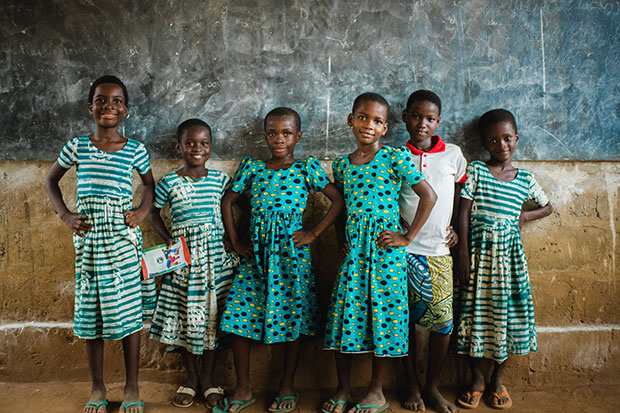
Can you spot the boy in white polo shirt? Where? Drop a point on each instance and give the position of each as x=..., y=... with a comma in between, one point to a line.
x=429, y=264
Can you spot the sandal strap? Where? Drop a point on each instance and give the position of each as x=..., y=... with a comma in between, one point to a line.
x=213, y=390
x=186, y=390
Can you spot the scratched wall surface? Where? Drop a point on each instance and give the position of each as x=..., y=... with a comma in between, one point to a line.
x=553, y=63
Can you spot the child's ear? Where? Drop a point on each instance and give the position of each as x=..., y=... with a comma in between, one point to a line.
x=178, y=146
x=405, y=115
x=350, y=120
x=90, y=108
x=516, y=137
x=385, y=128
x=298, y=137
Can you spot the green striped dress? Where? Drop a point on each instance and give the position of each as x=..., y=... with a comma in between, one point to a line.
x=496, y=313
x=111, y=300
x=191, y=299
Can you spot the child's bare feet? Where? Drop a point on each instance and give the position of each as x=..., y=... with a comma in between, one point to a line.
x=338, y=402
x=414, y=400
x=372, y=402
x=435, y=399
x=97, y=402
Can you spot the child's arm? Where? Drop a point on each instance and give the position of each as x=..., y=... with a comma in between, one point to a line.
x=453, y=237
x=158, y=225
x=135, y=215
x=228, y=199
x=388, y=239
x=304, y=237
x=535, y=214
x=463, y=262
x=76, y=222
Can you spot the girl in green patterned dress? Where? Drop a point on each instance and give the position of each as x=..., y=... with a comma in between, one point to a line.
x=496, y=313
x=191, y=299
x=111, y=300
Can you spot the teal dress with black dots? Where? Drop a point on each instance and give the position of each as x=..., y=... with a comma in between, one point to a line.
x=368, y=311
x=273, y=296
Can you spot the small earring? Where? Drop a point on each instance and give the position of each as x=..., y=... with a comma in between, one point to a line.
x=128, y=115
x=350, y=126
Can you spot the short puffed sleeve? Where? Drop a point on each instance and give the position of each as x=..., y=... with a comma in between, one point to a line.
x=469, y=187
x=242, y=181
x=141, y=159
x=337, y=166
x=315, y=176
x=68, y=154
x=226, y=181
x=536, y=192
x=162, y=192
x=403, y=167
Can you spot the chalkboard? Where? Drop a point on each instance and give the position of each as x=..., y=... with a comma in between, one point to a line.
x=555, y=64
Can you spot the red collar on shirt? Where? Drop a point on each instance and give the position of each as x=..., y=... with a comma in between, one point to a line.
x=440, y=146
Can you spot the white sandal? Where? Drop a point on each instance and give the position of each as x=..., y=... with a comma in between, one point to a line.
x=186, y=391
x=210, y=391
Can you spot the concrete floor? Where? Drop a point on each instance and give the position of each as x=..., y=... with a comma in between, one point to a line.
x=70, y=397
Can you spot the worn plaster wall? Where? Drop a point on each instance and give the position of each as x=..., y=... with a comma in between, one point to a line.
x=573, y=256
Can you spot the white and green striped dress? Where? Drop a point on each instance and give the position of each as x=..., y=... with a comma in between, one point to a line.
x=496, y=313
x=111, y=300
x=190, y=299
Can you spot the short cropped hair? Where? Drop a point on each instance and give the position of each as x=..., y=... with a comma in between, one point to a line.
x=370, y=97
x=495, y=116
x=424, y=96
x=283, y=111
x=107, y=79
x=185, y=125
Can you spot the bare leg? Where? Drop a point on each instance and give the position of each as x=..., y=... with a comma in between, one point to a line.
x=291, y=359
x=374, y=395
x=477, y=382
x=437, y=350
x=94, y=353
x=241, y=353
x=189, y=361
x=208, y=368
x=495, y=385
x=131, y=351
x=414, y=397
x=343, y=370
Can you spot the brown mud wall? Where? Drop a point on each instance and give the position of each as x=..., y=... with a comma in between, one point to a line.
x=573, y=256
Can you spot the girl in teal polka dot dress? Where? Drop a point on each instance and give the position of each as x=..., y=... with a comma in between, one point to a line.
x=273, y=297
x=368, y=311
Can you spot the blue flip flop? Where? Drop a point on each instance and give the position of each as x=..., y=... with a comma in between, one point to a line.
x=126, y=406
x=98, y=405
x=372, y=406
x=242, y=405
x=279, y=400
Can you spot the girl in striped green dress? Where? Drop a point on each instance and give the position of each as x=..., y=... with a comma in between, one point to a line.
x=190, y=299
x=111, y=300
x=496, y=314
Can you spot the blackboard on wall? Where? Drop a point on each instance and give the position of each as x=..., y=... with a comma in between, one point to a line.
x=554, y=64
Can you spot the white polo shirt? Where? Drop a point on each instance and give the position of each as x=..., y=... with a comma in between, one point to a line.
x=443, y=166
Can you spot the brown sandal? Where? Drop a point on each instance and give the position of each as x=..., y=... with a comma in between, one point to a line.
x=472, y=399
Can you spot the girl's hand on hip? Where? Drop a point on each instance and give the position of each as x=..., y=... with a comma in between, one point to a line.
x=303, y=237
x=452, y=238
x=77, y=223
x=133, y=217
x=390, y=239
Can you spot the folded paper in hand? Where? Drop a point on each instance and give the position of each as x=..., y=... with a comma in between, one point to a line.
x=160, y=259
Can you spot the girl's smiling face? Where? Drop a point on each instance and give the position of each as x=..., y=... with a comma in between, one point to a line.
x=500, y=139
x=195, y=145
x=368, y=122
x=108, y=108
x=281, y=136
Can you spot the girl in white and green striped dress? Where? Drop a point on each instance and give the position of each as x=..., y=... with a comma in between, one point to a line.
x=494, y=300
x=111, y=300
x=190, y=299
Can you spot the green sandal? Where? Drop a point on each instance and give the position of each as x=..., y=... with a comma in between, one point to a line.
x=126, y=406
x=279, y=400
x=98, y=405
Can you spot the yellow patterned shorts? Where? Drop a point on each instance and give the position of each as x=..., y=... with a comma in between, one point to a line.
x=429, y=280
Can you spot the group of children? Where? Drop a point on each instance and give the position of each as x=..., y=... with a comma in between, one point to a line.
x=393, y=213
